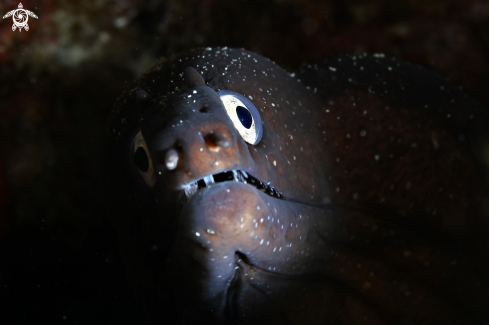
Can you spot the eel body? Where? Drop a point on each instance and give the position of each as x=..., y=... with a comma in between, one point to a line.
x=353, y=191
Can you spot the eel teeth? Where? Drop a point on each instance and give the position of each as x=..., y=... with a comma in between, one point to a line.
x=232, y=175
x=239, y=176
x=236, y=176
x=209, y=180
x=191, y=189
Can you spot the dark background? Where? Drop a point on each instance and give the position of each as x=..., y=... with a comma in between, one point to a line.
x=58, y=255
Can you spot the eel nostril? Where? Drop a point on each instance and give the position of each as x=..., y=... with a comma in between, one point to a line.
x=171, y=159
x=193, y=78
x=204, y=109
x=140, y=95
x=216, y=141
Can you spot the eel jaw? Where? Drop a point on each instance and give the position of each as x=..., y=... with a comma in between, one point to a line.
x=236, y=175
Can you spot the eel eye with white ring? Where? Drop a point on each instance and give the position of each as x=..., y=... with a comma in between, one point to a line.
x=244, y=115
x=142, y=160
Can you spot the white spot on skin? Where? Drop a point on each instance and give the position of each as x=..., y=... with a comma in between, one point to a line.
x=275, y=163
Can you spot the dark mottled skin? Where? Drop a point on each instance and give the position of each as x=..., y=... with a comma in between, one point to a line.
x=381, y=164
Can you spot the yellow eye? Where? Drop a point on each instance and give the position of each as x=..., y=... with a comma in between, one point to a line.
x=142, y=160
x=244, y=115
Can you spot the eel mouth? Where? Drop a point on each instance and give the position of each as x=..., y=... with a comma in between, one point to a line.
x=239, y=176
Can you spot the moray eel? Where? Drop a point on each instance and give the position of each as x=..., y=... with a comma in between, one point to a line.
x=353, y=191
